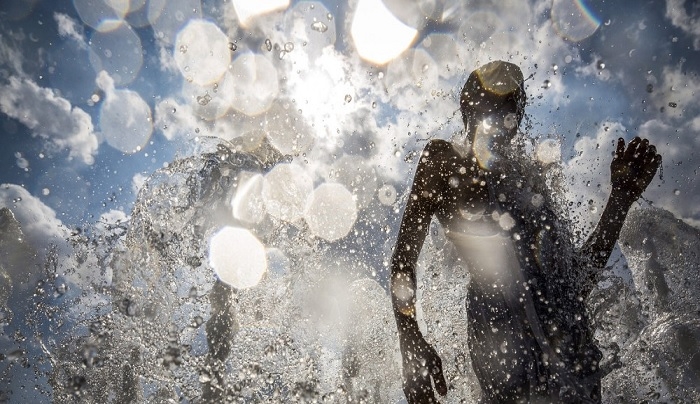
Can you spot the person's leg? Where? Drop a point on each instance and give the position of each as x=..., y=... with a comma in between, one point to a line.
x=504, y=355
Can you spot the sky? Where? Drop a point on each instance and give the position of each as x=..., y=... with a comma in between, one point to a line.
x=96, y=95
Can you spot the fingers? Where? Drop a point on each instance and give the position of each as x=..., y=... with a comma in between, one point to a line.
x=419, y=390
x=418, y=387
x=620, y=150
x=642, y=148
x=632, y=148
x=650, y=155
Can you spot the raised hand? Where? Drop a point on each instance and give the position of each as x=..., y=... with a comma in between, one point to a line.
x=421, y=367
x=632, y=169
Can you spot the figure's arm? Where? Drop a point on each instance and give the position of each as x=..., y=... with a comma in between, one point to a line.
x=631, y=171
x=420, y=360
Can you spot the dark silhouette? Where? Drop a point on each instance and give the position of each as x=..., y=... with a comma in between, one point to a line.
x=529, y=336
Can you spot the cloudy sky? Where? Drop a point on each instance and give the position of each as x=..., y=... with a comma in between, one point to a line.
x=95, y=95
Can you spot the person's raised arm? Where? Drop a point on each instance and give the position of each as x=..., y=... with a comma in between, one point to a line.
x=631, y=171
x=421, y=362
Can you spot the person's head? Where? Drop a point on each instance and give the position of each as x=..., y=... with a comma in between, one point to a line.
x=493, y=95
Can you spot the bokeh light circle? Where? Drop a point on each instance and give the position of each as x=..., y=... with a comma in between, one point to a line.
x=201, y=52
x=247, y=204
x=255, y=83
x=247, y=10
x=238, y=257
x=573, y=19
x=356, y=176
x=288, y=131
x=331, y=211
x=125, y=118
x=95, y=13
x=167, y=17
x=285, y=190
x=118, y=51
x=377, y=34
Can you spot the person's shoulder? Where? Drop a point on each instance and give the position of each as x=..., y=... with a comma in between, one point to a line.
x=438, y=147
x=438, y=144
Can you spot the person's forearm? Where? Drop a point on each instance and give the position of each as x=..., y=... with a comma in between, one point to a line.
x=596, y=251
x=403, y=292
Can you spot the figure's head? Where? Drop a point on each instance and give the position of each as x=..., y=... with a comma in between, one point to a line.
x=494, y=94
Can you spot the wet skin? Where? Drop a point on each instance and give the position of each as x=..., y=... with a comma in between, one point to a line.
x=448, y=183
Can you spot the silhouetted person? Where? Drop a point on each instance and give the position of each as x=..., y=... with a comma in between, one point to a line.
x=529, y=336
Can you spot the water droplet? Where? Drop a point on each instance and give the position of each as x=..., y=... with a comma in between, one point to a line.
x=601, y=65
x=45, y=191
x=268, y=45
x=183, y=48
x=319, y=27
x=288, y=47
x=676, y=192
x=672, y=104
x=387, y=195
x=348, y=98
x=555, y=67
x=232, y=46
x=329, y=16
x=546, y=84
x=61, y=289
x=203, y=99
x=650, y=88
x=374, y=105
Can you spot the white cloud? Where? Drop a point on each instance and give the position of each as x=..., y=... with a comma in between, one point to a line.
x=38, y=221
x=677, y=92
x=588, y=173
x=688, y=22
x=679, y=191
x=175, y=119
x=50, y=117
x=11, y=55
x=137, y=182
x=69, y=28
x=125, y=118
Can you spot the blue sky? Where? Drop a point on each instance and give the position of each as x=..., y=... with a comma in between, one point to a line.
x=46, y=45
